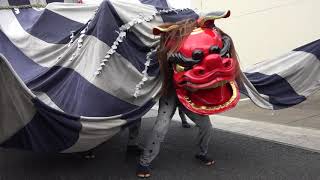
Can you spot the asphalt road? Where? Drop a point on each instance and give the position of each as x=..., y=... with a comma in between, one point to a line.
x=237, y=157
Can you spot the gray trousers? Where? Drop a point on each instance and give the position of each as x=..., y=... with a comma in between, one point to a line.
x=167, y=108
x=134, y=130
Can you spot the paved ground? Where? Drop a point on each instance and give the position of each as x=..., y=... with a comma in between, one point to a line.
x=298, y=126
x=249, y=143
x=237, y=156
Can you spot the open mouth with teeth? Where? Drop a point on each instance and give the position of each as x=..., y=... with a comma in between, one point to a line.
x=209, y=99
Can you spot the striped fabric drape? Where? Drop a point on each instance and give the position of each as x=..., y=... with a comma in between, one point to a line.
x=73, y=74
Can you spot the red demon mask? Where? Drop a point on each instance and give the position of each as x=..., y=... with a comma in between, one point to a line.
x=204, y=72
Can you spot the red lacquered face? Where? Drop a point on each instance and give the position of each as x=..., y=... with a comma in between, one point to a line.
x=204, y=73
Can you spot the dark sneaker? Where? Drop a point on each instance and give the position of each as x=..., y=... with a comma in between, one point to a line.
x=205, y=159
x=186, y=125
x=143, y=171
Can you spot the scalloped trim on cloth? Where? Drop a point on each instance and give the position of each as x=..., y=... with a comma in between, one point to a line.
x=144, y=72
x=122, y=34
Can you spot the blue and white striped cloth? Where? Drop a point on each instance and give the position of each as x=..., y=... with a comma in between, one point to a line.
x=284, y=81
x=73, y=75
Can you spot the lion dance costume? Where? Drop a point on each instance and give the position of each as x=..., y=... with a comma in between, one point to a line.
x=74, y=75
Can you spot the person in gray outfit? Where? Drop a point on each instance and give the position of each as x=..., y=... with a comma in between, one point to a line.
x=133, y=146
x=167, y=108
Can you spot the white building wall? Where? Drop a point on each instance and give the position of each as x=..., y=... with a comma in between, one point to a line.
x=264, y=29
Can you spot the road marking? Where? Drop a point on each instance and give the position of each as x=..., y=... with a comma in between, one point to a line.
x=244, y=99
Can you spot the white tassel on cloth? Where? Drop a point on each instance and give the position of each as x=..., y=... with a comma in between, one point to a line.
x=145, y=73
x=122, y=34
x=80, y=39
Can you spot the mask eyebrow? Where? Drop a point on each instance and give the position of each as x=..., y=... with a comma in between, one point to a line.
x=178, y=58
